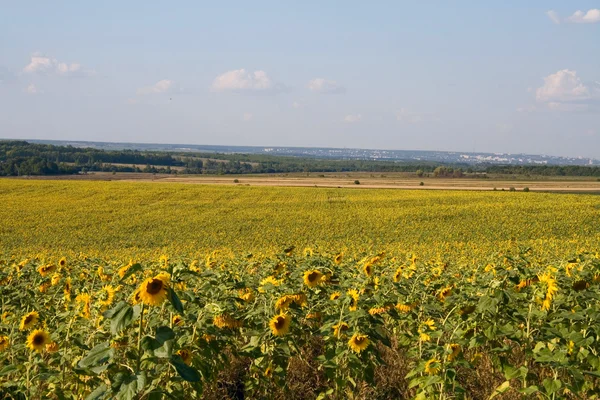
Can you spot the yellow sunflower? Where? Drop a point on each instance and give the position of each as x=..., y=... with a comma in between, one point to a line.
x=62, y=262
x=107, y=295
x=246, y=295
x=4, y=342
x=338, y=258
x=308, y=252
x=335, y=296
x=432, y=367
x=37, y=340
x=153, y=291
x=269, y=280
x=368, y=269
x=46, y=269
x=67, y=289
x=445, y=292
x=280, y=324
x=185, y=355
x=354, y=303
x=55, y=279
x=84, y=299
x=358, y=342
x=177, y=320
x=312, y=278
x=52, y=347
x=226, y=321
x=29, y=320
x=339, y=329
x=455, y=350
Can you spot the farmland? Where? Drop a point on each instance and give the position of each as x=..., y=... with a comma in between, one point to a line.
x=148, y=290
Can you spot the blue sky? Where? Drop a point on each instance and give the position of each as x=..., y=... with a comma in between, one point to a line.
x=462, y=76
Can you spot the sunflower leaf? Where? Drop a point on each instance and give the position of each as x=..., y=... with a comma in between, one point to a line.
x=120, y=316
x=185, y=371
x=174, y=299
x=131, y=270
x=97, y=356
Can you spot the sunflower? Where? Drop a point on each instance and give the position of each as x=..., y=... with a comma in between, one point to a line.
x=580, y=285
x=368, y=269
x=52, y=347
x=432, y=367
x=308, y=252
x=185, y=355
x=37, y=340
x=445, y=292
x=269, y=372
x=46, y=269
x=269, y=280
x=398, y=275
x=339, y=329
x=280, y=324
x=455, y=350
x=354, y=299
x=123, y=270
x=55, y=279
x=358, y=342
x=29, y=320
x=551, y=289
x=338, y=258
x=177, y=320
x=84, y=299
x=226, y=321
x=379, y=310
x=107, y=295
x=404, y=308
x=246, y=295
x=4, y=342
x=284, y=302
x=153, y=291
x=335, y=296
x=312, y=278
x=44, y=286
x=67, y=289
x=62, y=262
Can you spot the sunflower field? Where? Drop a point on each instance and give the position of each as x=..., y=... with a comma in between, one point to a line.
x=150, y=291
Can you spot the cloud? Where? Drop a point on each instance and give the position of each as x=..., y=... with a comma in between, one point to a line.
x=352, y=118
x=163, y=86
x=409, y=116
x=31, y=89
x=590, y=17
x=320, y=85
x=247, y=116
x=563, y=87
x=240, y=80
x=553, y=15
x=40, y=64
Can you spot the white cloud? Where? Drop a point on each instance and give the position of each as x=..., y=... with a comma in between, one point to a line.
x=553, y=15
x=562, y=87
x=590, y=17
x=31, y=89
x=240, y=80
x=247, y=116
x=320, y=85
x=296, y=105
x=409, y=116
x=162, y=86
x=40, y=64
x=352, y=118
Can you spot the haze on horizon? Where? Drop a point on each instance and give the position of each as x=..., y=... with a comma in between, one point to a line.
x=508, y=77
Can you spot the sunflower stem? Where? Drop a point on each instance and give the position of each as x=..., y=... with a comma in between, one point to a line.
x=139, y=343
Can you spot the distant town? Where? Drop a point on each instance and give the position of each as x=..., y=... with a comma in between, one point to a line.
x=448, y=157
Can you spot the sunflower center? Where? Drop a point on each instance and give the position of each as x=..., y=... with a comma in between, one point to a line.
x=313, y=276
x=38, y=340
x=280, y=322
x=359, y=340
x=155, y=286
x=28, y=319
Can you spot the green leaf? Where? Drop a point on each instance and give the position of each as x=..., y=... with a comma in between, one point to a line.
x=185, y=371
x=500, y=389
x=174, y=299
x=529, y=390
x=99, y=393
x=8, y=369
x=97, y=356
x=551, y=385
x=120, y=316
x=131, y=270
x=164, y=333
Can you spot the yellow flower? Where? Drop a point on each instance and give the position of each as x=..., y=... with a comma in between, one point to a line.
x=44, y=286
x=283, y=303
x=46, y=269
x=246, y=295
x=445, y=292
x=67, y=289
x=379, y=310
x=226, y=321
x=177, y=320
x=123, y=270
x=185, y=355
x=52, y=347
x=107, y=295
x=280, y=324
x=37, y=340
x=432, y=367
x=368, y=269
x=153, y=291
x=358, y=342
x=335, y=296
x=55, y=279
x=404, y=308
x=62, y=262
x=454, y=349
x=4, y=342
x=84, y=299
x=398, y=275
x=269, y=372
x=339, y=329
x=29, y=320
x=430, y=324
x=354, y=303
x=551, y=289
x=338, y=258
x=312, y=278
x=270, y=280
x=308, y=252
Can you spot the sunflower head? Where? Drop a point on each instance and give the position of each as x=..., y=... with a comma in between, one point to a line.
x=398, y=275
x=153, y=291
x=445, y=292
x=52, y=347
x=280, y=324
x=339, y=329
x=177, y=320
x=46, y=269
x=432, y=366
x=454, y=350
x=37, y=340
x=185, y=355
x=338, y=258
x=358, y=342
x=354, y=299
x=4, y=342
x=29, y=320
x=107, y=295
x=368, y=269
x=62, y=262
x=312, y=278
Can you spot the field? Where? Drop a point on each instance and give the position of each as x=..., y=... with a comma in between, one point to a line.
x=163, y=290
